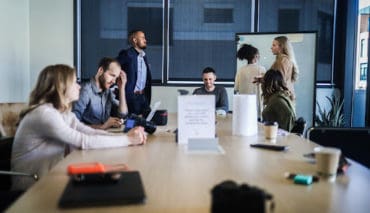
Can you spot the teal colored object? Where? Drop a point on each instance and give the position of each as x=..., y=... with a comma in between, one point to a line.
x=303, y=179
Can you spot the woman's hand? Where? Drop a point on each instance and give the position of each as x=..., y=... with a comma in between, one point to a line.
x=137, y=136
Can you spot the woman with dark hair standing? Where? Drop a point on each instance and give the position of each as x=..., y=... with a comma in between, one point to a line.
x=245, y=79
x=277, y=100
x=285, y=62
x=48, y=127
x=248, y=76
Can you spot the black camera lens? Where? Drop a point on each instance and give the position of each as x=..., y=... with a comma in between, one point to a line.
x=150, y=127
x=134, y=120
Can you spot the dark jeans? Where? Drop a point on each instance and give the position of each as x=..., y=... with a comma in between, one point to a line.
x=138, y=104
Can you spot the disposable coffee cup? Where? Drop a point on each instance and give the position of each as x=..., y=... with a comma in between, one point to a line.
x=327, y=161
x=270, y=129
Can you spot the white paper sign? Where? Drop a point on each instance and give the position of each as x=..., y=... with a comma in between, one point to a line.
x=244, y=115
x=196, y=117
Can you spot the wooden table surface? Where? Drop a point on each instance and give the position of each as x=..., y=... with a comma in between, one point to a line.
x=175, y=181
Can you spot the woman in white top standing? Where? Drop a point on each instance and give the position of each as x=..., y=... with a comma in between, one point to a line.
x=48, y=126
x=247, y=79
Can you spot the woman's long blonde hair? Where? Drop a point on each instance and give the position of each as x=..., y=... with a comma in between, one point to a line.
x=51, y=87
x=287, y=49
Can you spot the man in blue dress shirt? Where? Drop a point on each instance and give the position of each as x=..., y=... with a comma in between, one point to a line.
x=98, y=106
x=136, y=66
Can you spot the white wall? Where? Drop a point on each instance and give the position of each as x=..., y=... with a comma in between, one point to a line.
x=35, y=33
x=51, y=34
x=14, y=50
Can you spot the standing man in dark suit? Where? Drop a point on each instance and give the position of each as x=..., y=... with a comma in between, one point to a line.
x=135, y=63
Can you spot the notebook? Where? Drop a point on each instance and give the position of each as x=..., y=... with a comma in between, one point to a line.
x=127, y=190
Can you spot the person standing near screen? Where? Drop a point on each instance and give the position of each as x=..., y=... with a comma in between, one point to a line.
x=247, y=79
x=209, y=88
x=285, y=62
x=135, y=63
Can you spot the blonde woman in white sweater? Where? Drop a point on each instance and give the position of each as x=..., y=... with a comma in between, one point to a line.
x=48, y=126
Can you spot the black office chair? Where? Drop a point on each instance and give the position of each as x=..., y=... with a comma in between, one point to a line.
x=7, y=196
x=299, y=126
x=183, y=91
x=353, y=142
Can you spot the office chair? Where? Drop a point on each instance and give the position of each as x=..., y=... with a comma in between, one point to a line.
x=183, y=91
x=299, y=126
x=7, y=196
x=354, y=142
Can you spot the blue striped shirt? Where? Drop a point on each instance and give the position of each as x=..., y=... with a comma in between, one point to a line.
x=141, y=72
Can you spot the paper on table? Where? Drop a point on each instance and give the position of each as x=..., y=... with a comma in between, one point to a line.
x=204, y=146
x=244, y=115
x=196, y=117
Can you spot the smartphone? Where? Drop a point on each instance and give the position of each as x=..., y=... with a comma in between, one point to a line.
x=96, y=172
x=270, y=147
x=86, y=168
x=95, y=167
x=129, y=124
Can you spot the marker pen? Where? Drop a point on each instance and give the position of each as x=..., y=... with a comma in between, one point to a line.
x=302, y=179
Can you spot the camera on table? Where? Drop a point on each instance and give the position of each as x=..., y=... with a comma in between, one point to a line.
x=133, y=120
x=228, y=196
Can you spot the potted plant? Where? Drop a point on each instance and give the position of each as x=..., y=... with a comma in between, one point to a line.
x=334, y=116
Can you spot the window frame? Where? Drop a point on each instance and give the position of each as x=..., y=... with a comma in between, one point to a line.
x=166, y=44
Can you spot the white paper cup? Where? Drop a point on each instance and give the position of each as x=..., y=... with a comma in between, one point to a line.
x=327, y=160
x=270, y=129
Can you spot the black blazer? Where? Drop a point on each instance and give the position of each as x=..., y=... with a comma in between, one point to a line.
x=128, y=60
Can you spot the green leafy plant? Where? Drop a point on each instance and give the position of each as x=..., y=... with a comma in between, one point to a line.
x=334, y=116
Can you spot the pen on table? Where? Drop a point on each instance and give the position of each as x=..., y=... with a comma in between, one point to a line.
x=301, y=179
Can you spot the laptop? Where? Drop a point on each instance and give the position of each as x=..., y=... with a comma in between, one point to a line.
x=152, y=112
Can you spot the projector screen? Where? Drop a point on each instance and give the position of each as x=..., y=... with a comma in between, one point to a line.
x=304, y=46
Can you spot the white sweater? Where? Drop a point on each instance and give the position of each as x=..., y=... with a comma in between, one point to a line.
x=41, y=139
x=245, y=76
x=244, y=83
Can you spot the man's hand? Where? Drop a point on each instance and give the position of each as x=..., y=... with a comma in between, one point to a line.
x=137, y=136
x=112, y=122
x=121, y=83
x=122, y=80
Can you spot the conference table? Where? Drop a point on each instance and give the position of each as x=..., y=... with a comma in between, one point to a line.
x=178, y=181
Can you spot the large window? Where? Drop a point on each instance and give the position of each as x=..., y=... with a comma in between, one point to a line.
x=204, y=35
x=185, y=36
x=363, y=71
x=302, y=15
x=105, y=24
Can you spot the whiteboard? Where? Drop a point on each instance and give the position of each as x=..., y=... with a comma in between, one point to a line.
x=304, y=46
